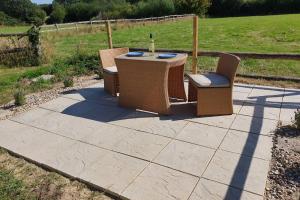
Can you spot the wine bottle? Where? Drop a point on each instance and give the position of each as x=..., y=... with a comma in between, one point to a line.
x=151, y=46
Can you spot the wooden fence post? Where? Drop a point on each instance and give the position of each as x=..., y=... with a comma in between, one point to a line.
x=109, y=37
x=195, y=44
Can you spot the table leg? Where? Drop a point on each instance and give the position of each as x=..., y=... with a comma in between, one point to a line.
x=176, y=82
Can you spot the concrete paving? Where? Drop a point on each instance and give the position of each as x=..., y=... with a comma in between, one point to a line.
x=140, y=155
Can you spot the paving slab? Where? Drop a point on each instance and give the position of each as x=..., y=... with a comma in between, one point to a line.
x=248, y=144
x=263, y=111
x=142, y=145
x=160, y=183
x=142, y=155
x=239, y=97
x=210, y=190
x=242, y=88
x=113, y=172
x=164, y=126
x=134, y=120
x=65, y=125
x=94, y=93
x=33, y=143
x=243, y=172
x=219, y=121
x=287, y=113
x=186, y=157
x=201, y=134
x=74, y=159
x=256, y=125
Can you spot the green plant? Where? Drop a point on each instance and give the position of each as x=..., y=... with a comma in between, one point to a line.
x=68, y=82
x=297, y=119
x=20, y=97
x=58, y=14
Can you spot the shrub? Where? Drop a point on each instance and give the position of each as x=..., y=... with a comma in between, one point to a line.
x=68, y=82
x=154, y=8
x=19, y=97
x=57, y=15
x=297, y=119
x=7, y=20
x=198, y=7
x=81, y=11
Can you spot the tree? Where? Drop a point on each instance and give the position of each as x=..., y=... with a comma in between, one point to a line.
x=58, y=14
x=23, y=10
x=198, y=7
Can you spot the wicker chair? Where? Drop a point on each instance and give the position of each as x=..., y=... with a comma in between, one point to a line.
x=213, y=91
x=110, y=72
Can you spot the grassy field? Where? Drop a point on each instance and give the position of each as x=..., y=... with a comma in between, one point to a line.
x=261, y=34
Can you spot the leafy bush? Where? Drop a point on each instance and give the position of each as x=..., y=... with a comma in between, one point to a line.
x=253, y=7
x=297, y=119
x=7, y=20
x=19, y=97
x=57, y=15
x=23, y=10
x=198, y=7
x=68, y=82
x=154, y=8
x=81, y=11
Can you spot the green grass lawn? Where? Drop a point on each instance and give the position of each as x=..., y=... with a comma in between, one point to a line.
x=261, y=34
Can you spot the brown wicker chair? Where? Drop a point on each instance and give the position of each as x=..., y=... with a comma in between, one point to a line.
x=110, y=72
x=213, y=91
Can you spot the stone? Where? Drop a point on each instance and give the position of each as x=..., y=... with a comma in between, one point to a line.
x=45, y=77
x=164, y=126
x=263, y=111
x=113, y=172
x=185, y=157
x=204, y=135
x=243, y=172
x=248, y=144
x=160, y=183
x=254, y=125
x=207, y=189
x=141, y=145
x=223, y=121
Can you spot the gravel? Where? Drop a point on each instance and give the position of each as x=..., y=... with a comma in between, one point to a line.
x=35, y=99
x=284, y=175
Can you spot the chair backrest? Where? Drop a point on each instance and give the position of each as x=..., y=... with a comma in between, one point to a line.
x=107, y=56
x=227, y=66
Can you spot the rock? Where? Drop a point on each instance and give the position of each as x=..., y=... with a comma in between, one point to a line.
x=45, y=77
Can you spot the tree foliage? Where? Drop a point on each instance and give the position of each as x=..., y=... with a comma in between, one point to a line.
x=23, y=10
x=198, y=7
x=58, y=14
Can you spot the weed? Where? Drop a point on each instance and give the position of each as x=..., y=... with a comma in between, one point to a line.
x=68, y=82
x=20, y=97
x=297, y=119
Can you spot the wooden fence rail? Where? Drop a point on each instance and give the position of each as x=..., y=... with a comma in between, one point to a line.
x=74, y=25
x=13, y=34
x=282, y=56
x=242, y=55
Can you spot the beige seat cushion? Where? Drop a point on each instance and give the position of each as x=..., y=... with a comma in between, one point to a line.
x=111, y=70
x=209, y=80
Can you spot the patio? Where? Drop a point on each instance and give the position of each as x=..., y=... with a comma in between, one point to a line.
x=139, y=155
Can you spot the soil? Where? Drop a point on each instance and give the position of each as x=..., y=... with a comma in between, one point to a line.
x=284, y=175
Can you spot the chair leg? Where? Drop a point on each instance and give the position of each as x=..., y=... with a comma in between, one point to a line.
x=111, y=83
x=214, y=101
x=192, y=92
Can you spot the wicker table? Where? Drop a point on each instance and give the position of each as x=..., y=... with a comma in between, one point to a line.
x=147, y=82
